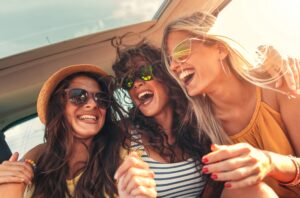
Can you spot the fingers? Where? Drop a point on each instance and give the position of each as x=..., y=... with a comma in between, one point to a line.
x=135, y=177
x=228, y=165
x=291, y=75
x=137, y=182
x=12, y=170
x=14, y=157
x=11, y=179
x=224, y=152
x=143, y=191
x=131, y=161
x=249, y=181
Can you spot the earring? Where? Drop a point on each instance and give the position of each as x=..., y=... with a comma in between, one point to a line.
x=226, y=69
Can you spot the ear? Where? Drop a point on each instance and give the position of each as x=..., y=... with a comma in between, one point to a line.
x=223, y=52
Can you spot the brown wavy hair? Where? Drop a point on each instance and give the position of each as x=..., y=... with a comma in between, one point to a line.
x=184, y=126
x=97, y=174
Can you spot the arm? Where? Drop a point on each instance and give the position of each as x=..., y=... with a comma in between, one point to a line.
x=134, y=178
x=242, y=165
x=15, y=175
x=290, y=66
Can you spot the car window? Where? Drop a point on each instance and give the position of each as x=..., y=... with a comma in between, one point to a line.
x=256, y=22
x=24, y=136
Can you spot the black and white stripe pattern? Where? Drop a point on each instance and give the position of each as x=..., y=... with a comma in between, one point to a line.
x=180, y=179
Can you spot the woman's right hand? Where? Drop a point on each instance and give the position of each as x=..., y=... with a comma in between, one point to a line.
x=135, y=179
x=14, y=171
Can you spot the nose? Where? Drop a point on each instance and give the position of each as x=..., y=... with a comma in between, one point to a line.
x=138, y=83
x=175, y=67
x=90, y=103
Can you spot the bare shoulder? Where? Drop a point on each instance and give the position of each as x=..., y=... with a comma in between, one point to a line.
x=270, y=97
x=35, y=152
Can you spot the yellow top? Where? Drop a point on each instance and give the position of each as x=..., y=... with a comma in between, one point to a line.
x=266, y=131
x=71, y=183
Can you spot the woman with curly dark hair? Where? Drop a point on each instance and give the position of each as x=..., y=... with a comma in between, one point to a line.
x=161, y=128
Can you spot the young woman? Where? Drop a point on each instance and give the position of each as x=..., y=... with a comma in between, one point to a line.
x=83, y=142
x=230, y=108
x=162, y=130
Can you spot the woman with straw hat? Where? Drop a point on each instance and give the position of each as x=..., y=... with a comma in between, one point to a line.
x=83, y=143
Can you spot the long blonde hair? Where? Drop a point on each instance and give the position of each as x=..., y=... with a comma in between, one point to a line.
x=254, y=68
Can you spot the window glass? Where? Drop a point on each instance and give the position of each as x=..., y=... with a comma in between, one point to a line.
x=30, y=24
x=256, y=22
x=24, y=136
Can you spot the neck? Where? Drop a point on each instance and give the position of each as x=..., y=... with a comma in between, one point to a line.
x=233, y=92
x=165, y=119
x=79, y=156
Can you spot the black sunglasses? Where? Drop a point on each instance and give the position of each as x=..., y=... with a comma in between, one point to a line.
x=80, y=97
x=144, y=72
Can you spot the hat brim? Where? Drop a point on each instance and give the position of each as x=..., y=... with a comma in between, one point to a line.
x=55, y=79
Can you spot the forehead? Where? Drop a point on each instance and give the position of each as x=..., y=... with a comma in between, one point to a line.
x=86, y=83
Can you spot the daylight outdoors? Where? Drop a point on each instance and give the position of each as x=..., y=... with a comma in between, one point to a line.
x=32, y=24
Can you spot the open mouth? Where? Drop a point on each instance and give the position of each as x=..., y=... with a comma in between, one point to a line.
x=145, y=97
x=186, y=76
x=88, y=118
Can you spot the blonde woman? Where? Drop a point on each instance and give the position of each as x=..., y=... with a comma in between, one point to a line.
x=232, y=97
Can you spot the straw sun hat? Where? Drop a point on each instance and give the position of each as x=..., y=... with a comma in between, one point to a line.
x=55, y=79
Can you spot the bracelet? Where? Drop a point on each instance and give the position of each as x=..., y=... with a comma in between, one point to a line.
x=31, y=162
x=296, y=180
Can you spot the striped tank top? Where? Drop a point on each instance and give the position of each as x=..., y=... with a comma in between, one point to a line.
x=180, y=179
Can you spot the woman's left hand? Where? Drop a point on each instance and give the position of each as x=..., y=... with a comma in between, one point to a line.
x=135, y=179
x=240, y=165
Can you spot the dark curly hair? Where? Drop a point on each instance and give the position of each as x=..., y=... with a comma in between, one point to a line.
x=184, y=127
x=103, y=160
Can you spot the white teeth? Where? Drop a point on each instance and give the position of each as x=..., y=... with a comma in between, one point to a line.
x=87, y=117
x=144, y=93
x=185, y=73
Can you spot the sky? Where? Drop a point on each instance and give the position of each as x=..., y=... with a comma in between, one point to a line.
x=256, y=22
x=28, y=24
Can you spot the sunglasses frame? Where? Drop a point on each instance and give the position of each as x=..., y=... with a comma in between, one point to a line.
x=104, y=102
x=190, y=39
x=137, y=74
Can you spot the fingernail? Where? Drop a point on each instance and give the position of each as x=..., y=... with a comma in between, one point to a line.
x=227, y=185
x=213, y=147
x=204, y=170
x=214, y=176
x=204, y=160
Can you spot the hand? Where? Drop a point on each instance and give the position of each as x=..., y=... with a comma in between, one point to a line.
x=290, y=66
x=135, y=179
x=13, y=171
x=240, y=165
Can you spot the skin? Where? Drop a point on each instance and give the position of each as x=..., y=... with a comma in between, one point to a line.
x=233, y=103
x=83, y=130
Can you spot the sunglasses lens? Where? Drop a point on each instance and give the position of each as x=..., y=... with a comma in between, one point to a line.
x=102, y=100
x=78, y=96
x=146, y=73
x=182, y=51
x=128, y=83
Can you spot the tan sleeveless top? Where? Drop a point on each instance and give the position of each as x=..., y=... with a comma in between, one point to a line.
x=266, y=131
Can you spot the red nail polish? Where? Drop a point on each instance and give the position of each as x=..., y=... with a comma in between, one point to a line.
x=227, y=185
x=204, y=160
x=212, y=147
x=205, y=170
x=214, y=176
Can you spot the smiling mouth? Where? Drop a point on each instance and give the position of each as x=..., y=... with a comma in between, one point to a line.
x=88, y=118
x=145, y=97
x=186, y=76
